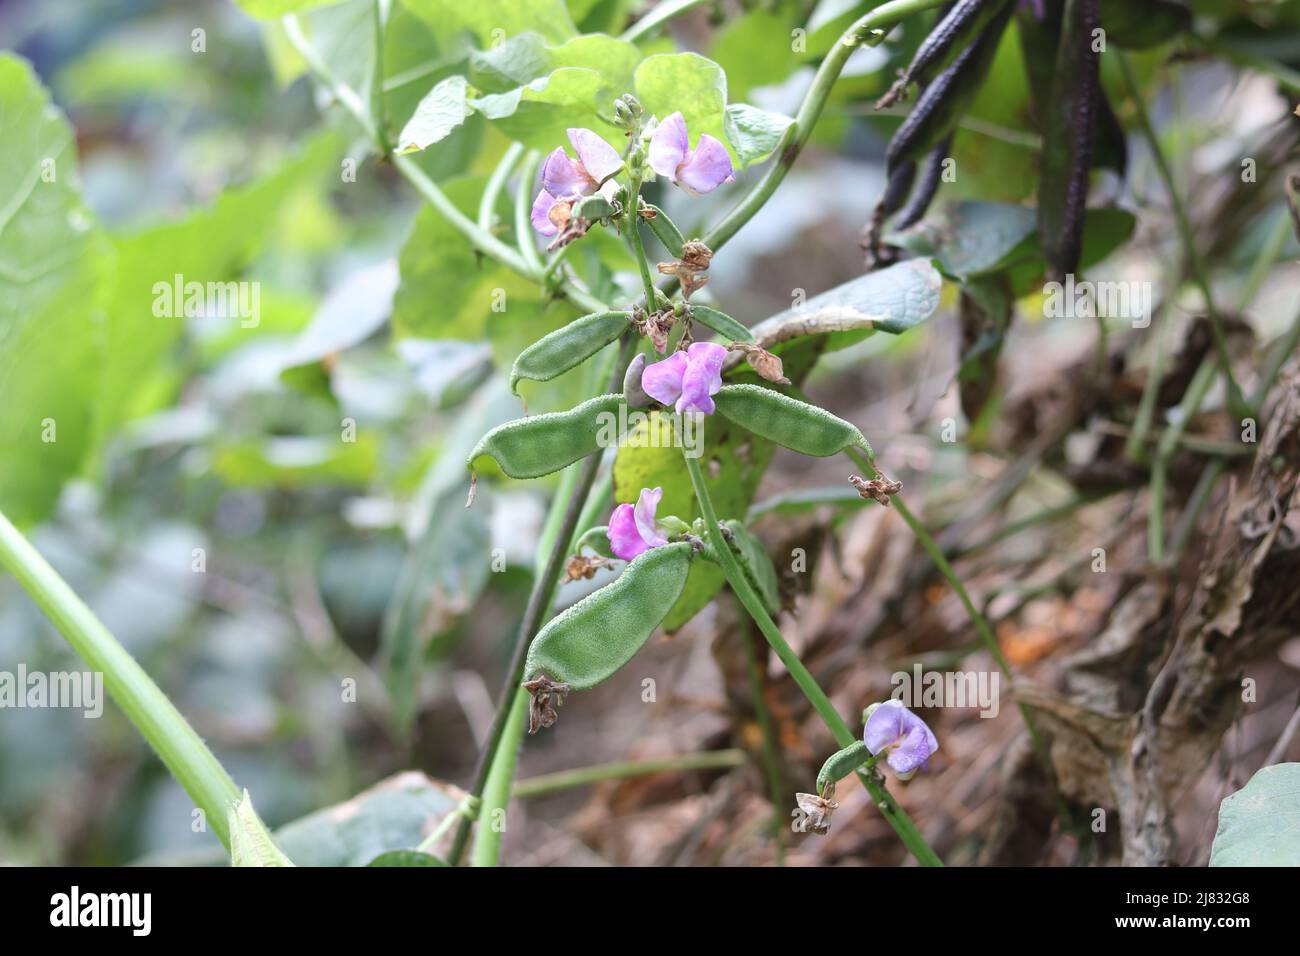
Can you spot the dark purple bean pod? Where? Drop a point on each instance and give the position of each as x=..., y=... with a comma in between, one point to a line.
x=1070, y=128
x=931, y=176
x=957, y=26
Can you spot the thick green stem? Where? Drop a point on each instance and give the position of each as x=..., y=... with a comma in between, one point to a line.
x=159, y=722
x=492, y=814
x=844, y=736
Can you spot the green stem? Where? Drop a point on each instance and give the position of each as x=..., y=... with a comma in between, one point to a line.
x=523, y=223
x=159, y=722
x=549, y=783
x=844, y=736
x=492, y=814
x=661, y=14
x=1199, y=273
x=497, y=182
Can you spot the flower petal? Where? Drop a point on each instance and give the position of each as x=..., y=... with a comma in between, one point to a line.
x=598, y=158
x=624, y=538
x=662, y=381
x=894, y=728
x=706, y=168
x=668, y=146
x=703, y=377
x=563, y=178
x=644, y=513
x=541, y=214
x=884, y=726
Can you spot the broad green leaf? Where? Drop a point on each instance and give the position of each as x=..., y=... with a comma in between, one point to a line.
x=889, y=300
x=687, y=83
x=540, y=113
x=52, y=267
x=274, y=9
x=251, y=844
x=444, y=109
x=753, y=133
x=394, y=814
x=527, y=57
x=1259, y=825
x=491, y=20
x=975, y=237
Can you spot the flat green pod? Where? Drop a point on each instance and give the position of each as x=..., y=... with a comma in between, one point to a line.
x=543, y=444
x=567, y=347
x=787, y=421
x=591, y=640
x=721, y=323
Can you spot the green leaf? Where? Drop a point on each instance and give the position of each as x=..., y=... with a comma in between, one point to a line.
x=527, y=57
x=484, y=18
x=52, y=267
x=687, y=83
x=889, y=300
x=251, y=843
x=1139, y=24
x=394, y=814
x=443, y=110
x=976, y=237
x=1259, y=825
x=540, y=114
x=754, y=134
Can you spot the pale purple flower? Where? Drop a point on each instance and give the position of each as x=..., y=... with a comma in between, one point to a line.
x=699, y=170
x=633, y=531
x=689, y=379
x=902, y=735
x=565, y=179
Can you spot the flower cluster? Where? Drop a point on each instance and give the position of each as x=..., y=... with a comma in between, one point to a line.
x=566, y=180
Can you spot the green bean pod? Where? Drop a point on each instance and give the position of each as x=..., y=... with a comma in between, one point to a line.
x=664, y=229
x=787, y=421
x=597, y=539
x=946, y=97
x=952, y=33
x=591, y=640
x=1070, y=127
x=561, y=350
x=542, y=444
x=932, y=175
x=840, y=764
x=721, y=323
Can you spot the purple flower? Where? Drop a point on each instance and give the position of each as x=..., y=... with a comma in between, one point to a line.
x=565, y=179
x=633, y=531
x=895, y=730
x=689, y=378
x=699, y=170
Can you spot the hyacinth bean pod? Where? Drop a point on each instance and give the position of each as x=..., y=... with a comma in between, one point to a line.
x=543, y=444
x=953, y=33
x=721, y=323
x=561, y=350
x=591, y=640
x=793, y=424
x=840, y=764
x=1070, y=126
x=665, y=229
x=931, y=177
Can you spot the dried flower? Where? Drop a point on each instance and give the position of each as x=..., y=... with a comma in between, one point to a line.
x=762, y=361
x=878, y=489
x=695, y=260
x=584, y=567
x=547, y=695
x=814, y=812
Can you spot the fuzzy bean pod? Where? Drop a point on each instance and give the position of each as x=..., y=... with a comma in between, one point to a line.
x=952, y=34
x=542, y=444
x=840, y=764
x=931, y=177
x=664, y=229
x=591, y=640
x=1070, y=127
x=561, y=350
x=721, y=323
x=787, y=421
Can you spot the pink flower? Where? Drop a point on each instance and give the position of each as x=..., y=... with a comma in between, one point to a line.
x=898, y=732
x=690, y=379
x=565, y=179
x=633, y=531
x=699, y=170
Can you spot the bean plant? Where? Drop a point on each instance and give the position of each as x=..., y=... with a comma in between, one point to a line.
x=677, y=404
